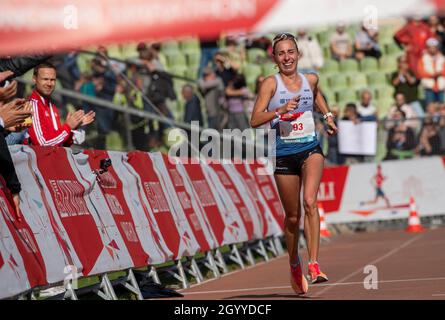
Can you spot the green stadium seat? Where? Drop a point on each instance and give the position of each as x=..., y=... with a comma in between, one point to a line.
x=323, y=83
x=163, y=59
x=349, y=65
x=193, y=59
x=192, y=73
x=383, y=106
x=346, y=95
x=330, y=66
x=269, y=69
x=175, y=59
x=323, y=38
x=386, y=34
x=169, y=46
x=377, y=79
x=357, y=81
x=255, y=53
x=338, y=81
x=190, y=45
x=385, y=92
x=369, y=64
x=179, y=70
x=129, y=51
x=84, y=62
x=326, y=52
x=388, y=63
x=330, y=96
x=393, y=49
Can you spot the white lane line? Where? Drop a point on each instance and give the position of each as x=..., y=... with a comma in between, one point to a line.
x=390, y=253
x=235, y=272
x=318, y=285
x=438, y=295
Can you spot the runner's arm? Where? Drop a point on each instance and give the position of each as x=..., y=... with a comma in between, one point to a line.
x=259, y=114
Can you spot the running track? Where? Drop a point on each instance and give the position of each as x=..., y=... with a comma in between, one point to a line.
x=409, y=265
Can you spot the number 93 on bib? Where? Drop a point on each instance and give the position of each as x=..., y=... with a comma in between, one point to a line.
x=300, y=130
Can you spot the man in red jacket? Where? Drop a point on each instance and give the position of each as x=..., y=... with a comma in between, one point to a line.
x=46, y=129
x=413, y=36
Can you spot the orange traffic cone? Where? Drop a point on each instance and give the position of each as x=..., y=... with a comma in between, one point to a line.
x=413, y=221
x=324, y=232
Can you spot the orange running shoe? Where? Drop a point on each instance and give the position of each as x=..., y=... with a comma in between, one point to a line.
x=297, y=280
x=315, y=275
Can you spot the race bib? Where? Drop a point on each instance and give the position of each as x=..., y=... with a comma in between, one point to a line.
x=299, y=130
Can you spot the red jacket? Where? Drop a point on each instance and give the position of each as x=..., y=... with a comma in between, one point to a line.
x=414, y=36
x=46, y=129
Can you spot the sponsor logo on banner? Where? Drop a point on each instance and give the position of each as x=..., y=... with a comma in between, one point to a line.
x=204, y=193
x=114, y=204
x=68, y=197
x=176, y=178
x=156, y=197
x=331, y=188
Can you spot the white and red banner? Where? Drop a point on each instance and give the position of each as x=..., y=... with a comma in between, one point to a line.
x=172, y=222
x=367, y=192
x=29, y=25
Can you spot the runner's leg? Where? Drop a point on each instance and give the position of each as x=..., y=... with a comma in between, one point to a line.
x=289, y=191
x=312, y=173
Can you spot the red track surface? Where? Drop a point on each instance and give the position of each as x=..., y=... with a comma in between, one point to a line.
x=409, y=265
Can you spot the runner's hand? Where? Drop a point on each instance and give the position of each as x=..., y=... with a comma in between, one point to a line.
x=289, y=106
x=332, y=128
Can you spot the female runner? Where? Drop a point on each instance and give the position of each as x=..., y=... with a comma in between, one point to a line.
x=287, y=101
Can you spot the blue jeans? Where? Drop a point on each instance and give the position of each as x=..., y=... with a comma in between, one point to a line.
x=431, y=96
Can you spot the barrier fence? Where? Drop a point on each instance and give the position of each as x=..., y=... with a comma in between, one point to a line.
x=147, y=209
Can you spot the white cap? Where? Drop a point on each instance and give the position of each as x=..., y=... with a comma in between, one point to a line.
x=432, y=42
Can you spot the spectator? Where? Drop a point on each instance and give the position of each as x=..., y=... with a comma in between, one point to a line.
x=104, y=81
x=412, y=36
x=258, y=41
x=366, y=43
x=429, y=140
x=341, y=43
x=442, y=128
x=405, y=82
x=366, y=110
x=12, y=114
x=334, y=156
x=235, y=53
x=431, y=71
x=192, y=109
x=437, y=30
x=212, y=89
x=209, y=47
x=46, y=129
x=158, y=87
x=401, y=138
x=237, y=92
x=311, y=55
x=223, y=68
x=409, y=114
x=351, y=114
x=432, y=111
